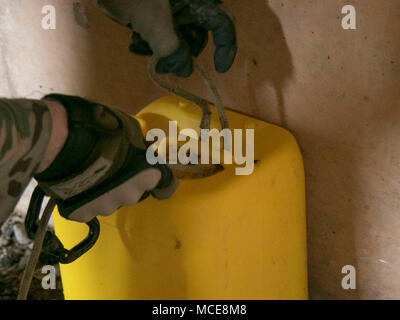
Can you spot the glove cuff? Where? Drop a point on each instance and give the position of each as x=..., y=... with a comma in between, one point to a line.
x=83, y=134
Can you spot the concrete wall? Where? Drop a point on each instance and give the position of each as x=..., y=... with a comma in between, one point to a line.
x=336, y=90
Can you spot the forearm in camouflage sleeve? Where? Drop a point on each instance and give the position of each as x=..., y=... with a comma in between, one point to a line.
x=25, y=129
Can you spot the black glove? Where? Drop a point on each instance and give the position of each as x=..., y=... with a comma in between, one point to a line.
x=193, y=20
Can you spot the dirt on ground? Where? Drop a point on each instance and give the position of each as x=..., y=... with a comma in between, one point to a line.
x=15, y=249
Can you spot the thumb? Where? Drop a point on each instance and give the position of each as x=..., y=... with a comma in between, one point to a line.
x=152, y=19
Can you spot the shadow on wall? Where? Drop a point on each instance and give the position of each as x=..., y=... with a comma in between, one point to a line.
x=117, y=77
x=332, y=211
x=120, y=78
x=264, y=57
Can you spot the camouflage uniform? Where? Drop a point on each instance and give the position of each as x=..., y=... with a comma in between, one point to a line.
x=25, y=128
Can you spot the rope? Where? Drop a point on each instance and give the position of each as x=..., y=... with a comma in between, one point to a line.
x=218, y=101
x=202, y=103
x=36, y=250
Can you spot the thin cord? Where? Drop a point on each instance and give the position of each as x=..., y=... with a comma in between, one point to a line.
x=202, y=103
x=36, y=250
x=218, y=101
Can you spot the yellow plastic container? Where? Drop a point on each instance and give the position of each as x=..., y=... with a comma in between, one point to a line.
x=221, y=237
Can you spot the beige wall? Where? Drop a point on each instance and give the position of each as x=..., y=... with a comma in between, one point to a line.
x=336, y=90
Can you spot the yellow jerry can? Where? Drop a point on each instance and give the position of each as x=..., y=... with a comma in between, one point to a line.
x=226, y=236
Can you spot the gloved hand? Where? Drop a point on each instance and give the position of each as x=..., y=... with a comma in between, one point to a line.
x=102, y=165
x=178, y=35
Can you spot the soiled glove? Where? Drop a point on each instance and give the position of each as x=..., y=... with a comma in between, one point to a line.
x=103, y=164
x=177, y=35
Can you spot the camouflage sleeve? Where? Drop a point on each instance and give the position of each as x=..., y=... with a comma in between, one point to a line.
x=25, y=128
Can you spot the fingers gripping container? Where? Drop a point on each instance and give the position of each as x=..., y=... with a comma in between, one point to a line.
x=225, y=236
